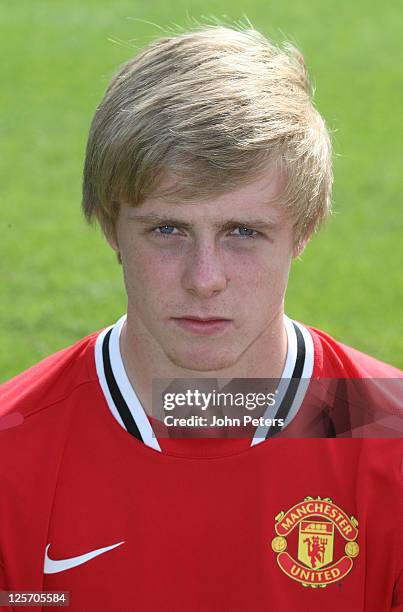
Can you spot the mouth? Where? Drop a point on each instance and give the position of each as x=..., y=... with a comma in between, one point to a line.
x=202, y=319
x=202, y=325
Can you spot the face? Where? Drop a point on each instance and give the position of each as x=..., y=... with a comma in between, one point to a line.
x=206, y=280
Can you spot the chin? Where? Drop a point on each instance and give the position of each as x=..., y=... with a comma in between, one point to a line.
x=199, y=362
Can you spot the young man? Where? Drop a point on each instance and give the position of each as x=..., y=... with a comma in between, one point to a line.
x=208, y=169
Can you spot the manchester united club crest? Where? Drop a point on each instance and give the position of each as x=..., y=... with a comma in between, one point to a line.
x=322, y=538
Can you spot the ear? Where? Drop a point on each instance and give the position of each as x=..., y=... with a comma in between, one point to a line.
x=299, y=248
x=109, y=226
x=111, y=235
x=112, y=241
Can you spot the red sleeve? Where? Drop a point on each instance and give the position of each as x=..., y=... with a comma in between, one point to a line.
x=3, y=585
x=397, y=603
x=334, y=359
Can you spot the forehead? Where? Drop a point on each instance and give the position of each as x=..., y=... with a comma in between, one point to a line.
x=261, y=196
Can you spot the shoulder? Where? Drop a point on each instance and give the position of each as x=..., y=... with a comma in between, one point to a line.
x=36, y=412
x=334, y=359
x=49, y=381
x=363, y=396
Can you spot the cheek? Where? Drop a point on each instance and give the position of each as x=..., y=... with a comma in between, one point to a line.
x=261, y=274
x=149, y=276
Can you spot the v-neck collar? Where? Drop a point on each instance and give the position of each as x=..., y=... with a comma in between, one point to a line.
x=127, y=409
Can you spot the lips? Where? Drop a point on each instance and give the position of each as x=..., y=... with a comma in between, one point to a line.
x=193, y=318
x=202, y=325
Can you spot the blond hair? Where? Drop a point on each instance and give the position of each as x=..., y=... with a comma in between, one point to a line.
x=211, y=107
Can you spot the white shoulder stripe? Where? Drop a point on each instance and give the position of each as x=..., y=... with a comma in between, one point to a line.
x=99, y=362
x=271, y=412
x=126, y=389
x=306, y=374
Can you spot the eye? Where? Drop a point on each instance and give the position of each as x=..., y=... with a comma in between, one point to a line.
x=246, y=232
x=164, y=230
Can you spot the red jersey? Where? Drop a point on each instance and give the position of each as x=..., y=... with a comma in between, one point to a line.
x=96, y=503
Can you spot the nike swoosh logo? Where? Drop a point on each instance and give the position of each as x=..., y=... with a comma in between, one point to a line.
x=52, y=566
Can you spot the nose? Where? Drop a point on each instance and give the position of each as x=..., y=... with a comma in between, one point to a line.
x=204, y=275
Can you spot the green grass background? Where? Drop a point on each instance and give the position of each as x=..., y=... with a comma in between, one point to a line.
x=59, y=279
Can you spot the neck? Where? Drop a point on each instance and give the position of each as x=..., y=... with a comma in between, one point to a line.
x=144, y=359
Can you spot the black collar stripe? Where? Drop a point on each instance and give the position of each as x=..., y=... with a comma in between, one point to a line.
x=293, y=386
x=115, y=392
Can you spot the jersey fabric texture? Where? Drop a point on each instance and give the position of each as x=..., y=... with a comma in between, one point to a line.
x=94, y=502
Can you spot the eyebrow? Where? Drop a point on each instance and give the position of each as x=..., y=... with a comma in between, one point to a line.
x=161, y=220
